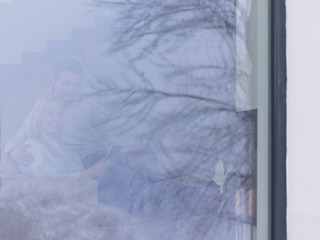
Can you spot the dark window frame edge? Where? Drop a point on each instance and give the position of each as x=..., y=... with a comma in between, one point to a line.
x=278, y=120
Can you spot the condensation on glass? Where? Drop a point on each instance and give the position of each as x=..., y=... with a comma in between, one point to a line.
x=142, y=124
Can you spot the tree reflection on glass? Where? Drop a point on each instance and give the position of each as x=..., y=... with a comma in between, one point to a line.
x=178, y=101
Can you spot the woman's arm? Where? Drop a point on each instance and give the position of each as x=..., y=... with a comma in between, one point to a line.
x=97, y=170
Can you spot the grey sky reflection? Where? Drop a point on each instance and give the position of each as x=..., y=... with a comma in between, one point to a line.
x=187, y=164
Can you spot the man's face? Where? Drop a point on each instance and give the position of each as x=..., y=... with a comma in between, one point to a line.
x=66, y=85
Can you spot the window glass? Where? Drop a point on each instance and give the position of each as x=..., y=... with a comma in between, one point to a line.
x=134, y=119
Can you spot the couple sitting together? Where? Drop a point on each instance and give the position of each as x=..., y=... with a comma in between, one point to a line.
x=39, y=132
x=58, y=138
x=49, y=142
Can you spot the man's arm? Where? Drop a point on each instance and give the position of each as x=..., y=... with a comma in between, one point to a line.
x=15, y=149
x=7, y=166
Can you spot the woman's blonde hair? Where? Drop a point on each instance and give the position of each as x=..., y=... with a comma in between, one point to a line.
x=31, y=124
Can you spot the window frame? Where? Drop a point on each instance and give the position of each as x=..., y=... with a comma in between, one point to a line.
x=278, y=121
x=272, y=80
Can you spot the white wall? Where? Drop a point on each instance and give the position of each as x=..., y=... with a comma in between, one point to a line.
x=303, y=126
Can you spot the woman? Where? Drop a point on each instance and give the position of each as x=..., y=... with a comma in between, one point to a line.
x=39, y=129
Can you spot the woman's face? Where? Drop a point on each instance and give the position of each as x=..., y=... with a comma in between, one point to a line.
x=51, y=118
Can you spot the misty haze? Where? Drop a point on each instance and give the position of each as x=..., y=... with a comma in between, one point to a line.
x=128, y=120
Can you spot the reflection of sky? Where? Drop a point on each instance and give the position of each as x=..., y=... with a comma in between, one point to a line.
x=27, y=25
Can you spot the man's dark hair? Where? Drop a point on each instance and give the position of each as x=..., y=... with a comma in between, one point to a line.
x=69, y=65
